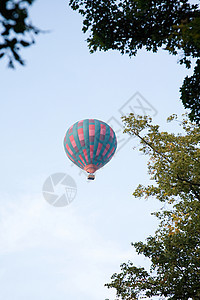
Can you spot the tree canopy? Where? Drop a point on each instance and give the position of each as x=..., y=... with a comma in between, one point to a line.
x=16, y=29
x=129, y=25
x=174, y=250
x=190, y=93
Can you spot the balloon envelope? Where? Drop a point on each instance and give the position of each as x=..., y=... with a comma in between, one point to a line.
x=90, y=144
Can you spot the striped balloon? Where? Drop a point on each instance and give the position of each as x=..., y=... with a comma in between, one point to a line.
x=90, y=144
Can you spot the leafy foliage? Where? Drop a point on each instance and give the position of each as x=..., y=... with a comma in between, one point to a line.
x=129, y=25
x=174, y=160
x=190, y=93
x=16, y=29
x=174, y=250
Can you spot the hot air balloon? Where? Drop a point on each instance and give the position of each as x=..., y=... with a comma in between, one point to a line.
x=90, y=144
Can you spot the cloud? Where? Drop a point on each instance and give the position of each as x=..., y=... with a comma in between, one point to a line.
x=81, y=259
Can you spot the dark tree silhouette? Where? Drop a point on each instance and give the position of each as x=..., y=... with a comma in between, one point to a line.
x=16, y=29
x=129, y=25
x=190, y=93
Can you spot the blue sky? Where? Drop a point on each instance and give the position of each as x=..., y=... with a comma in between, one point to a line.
x=69, y=253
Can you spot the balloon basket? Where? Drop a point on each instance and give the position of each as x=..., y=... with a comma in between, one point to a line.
x=91, y=177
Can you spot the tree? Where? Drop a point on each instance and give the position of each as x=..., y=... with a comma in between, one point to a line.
x=129, y=25
x=16, y=29
x=190, y=93
x=174, y=250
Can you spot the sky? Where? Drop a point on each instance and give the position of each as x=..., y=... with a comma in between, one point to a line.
x=71, y=252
